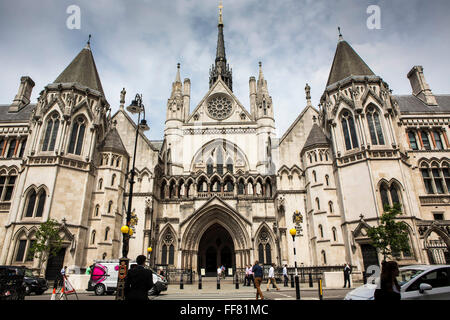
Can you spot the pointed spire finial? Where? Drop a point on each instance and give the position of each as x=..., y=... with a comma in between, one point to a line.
x=220, y=12
x=122, y=98
x=178, y=78
x=340, y=34
x=261, y=75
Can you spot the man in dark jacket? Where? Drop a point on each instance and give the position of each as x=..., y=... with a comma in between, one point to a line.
x=258, y=274
x=138, y=281
x=347, y=272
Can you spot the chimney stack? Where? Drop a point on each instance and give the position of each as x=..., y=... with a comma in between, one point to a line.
x=23, y=96
x=420, y=87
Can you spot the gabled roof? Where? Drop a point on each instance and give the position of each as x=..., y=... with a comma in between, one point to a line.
x=300, y=116
x=113, y=142
x=315, y=137
x=410, y=104
x=82, y=70
x=23, y=115
x=347, y=63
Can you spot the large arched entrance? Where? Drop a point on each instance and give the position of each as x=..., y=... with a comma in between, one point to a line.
x=216, y=248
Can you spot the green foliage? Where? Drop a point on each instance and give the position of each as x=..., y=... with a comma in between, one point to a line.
x=47, y=243
x=391, y=236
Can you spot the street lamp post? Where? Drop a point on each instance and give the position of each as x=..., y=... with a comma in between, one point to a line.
x=136, y=107
x=149, y=250
x=293, y=233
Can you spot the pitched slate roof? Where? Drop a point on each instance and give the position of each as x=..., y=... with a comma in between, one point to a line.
x=410, y=104
x=23, y=115
x=82, y=70
x=316, y=137
x=113, y=142
x=347, y=63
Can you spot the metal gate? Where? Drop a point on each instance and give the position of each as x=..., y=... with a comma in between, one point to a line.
x=55, y=264
x=438, y=252
x=369, y=255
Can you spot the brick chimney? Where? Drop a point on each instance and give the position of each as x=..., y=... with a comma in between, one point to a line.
x=420, y=87
x=23, y=95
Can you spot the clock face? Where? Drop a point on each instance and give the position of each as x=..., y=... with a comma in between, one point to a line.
x=219, y=107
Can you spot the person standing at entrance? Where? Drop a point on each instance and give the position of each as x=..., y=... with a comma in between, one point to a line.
x=138, y=281
x=250, y=276
x=258, y=273
x=285, y=275
x=247, y=274
x=347, y=272
x=272, y=277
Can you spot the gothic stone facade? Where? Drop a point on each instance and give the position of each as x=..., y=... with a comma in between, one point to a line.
x=221, y=187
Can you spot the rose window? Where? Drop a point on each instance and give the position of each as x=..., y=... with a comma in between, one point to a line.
x=219, y=107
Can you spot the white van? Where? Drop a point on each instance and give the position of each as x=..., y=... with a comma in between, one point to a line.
x=104, y=276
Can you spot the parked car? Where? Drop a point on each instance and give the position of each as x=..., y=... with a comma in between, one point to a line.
x=104, y=276
x=11, y=283
x=35, y=284
x=417, y=282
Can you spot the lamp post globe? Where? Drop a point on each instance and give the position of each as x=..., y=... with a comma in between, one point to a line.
x=149, y=249
x=293, y=232
x=124, y=229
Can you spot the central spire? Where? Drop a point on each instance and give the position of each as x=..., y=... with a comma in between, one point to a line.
x=220, y=68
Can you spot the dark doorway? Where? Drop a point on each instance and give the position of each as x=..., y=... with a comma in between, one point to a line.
x=369, y=255
x=55, y=264
x=216, y=249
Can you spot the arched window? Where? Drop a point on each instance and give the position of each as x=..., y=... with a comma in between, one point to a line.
x=77, y=136
x=22, y=244
x=51, y=132
x=395, y=198
x=113, y=179
x=162, y=191
x=110, y=204
x=261, y=253
x=330, y=206
x=268, y=254
x=314, y=176
x=35, y=204
x=96, y=211
x=334, y=231
x=373, y=119
x=317, y=203
x=412, y=140
x=106, y=233
x=390, y=195
x=437, y=178
x=171, y=254
x=384, y=195
x=324, y=257
x=428, y=181
x=320, y=231
x=164, y=254
x=7, y=183
x=100, y=184
x=209, y=166
x=93, y=237
x=348, y=127
x=241, y=187
x=229, y=185
x=327, y=180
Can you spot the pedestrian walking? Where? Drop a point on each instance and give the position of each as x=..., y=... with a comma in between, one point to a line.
x=272, y=277
x=138, y=281
x=223, y=271
x=347, y=272
x=258, y=274
x=219, y=272
x=247, y=274
x=285, y=276
x=251, y=279
x=62, y=275
x=389, y=289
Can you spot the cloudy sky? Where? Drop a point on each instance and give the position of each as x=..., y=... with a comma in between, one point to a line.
x=137, y=44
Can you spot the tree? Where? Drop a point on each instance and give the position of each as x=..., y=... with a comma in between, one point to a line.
x=48, y=242
x=391, y=236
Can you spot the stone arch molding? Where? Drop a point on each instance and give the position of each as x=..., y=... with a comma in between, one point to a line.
x=215, y=211
x=230, y=151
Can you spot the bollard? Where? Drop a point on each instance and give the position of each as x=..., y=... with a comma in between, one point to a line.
x=310, y=280
x=292, y=281
x=364, y=277
x=320, y=289
x=237, y=281
x=181, y=282
x=200, y=281
x=297, y=288
x=218, y=282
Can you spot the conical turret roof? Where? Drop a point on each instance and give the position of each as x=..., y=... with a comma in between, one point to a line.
x=113, y=143
x=347, y=63
x=316, y=137
x=82, y=70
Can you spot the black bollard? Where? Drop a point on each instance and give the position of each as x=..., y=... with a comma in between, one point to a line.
x=218, y=282
x=297, y=288
x=200, y=281
x=181, y=282
x=237, y=281
x=310, y=280
x=292, y=281
x=320, y=289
